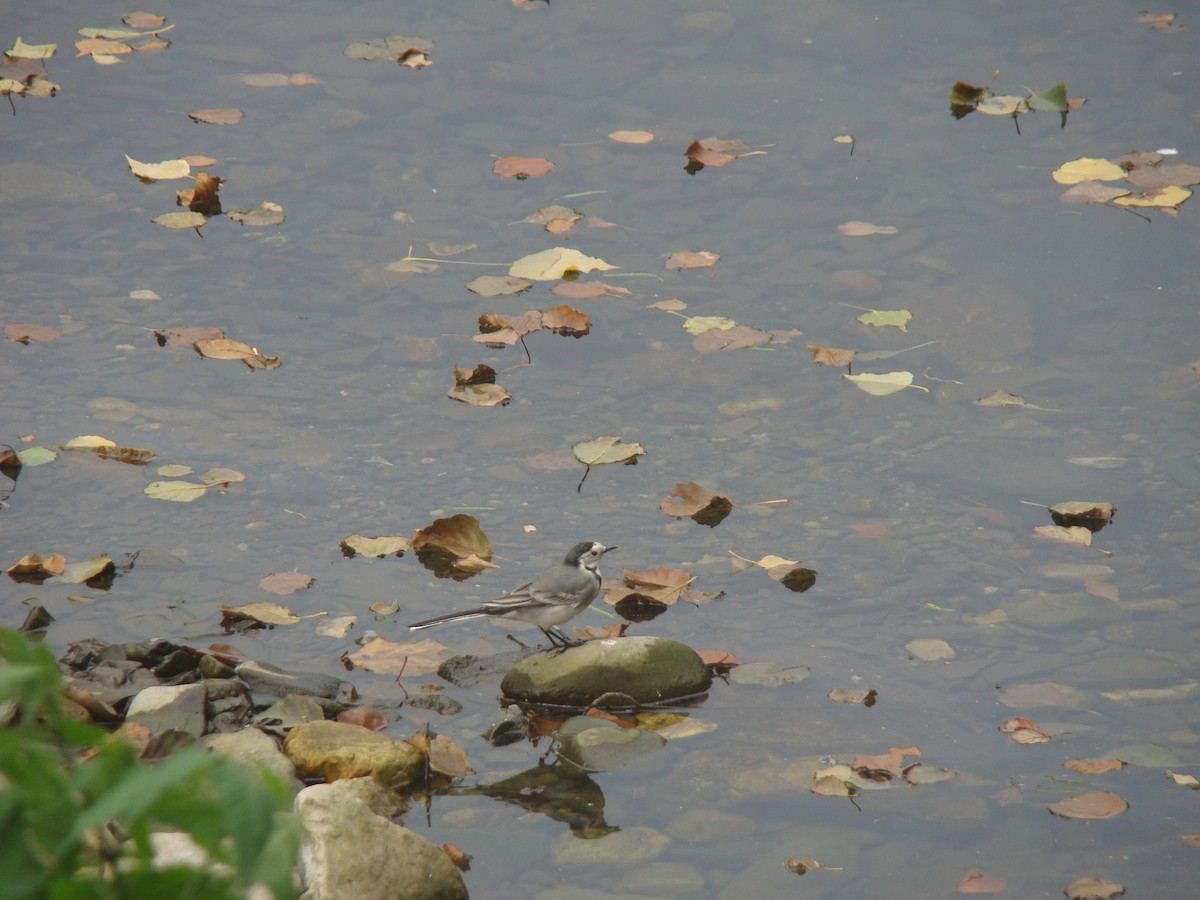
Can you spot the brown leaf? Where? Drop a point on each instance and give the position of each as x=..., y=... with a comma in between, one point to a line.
x=458, y=856
x=581, y=290
x=698, y=502
x=482, y=395
x=1093, y=766
x=718, y=659
x=710, y=152
x=567, y=321
x=1092, y=805
x=521, y=167
x=739, y=337
x=460, y=535
x=25, y=334
x=831, y=356
x=33, y=568
x=202, y=196
x=978, y=883
x=692, y=259
x=186, y=337
x=217, y=116
x=388, y=658
x=283, y=583
x=366, y=716
x=481, y=374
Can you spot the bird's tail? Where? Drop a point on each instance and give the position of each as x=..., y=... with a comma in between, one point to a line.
x=452, y=617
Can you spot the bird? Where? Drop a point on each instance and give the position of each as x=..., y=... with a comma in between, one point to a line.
x=554, y=597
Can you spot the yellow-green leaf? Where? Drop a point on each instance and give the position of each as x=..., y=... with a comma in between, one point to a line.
x=22, y=50
x=180, y=220
x=606, y=450
x=896, y=318
x=176, y=491
x=701, y=324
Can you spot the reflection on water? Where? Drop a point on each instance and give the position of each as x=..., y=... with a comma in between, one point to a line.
x=909, y=505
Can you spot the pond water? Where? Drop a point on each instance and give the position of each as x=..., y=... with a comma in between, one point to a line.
x=909, y=506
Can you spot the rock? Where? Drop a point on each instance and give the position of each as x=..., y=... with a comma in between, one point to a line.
x=620, y=849
x=251, y=747
x=601, y=745
x=632, y=671
x=170, y=709
x=351, y=852
x=330, y=751
x=271, y=680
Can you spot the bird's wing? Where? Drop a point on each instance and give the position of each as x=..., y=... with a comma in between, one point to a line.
x=529, y=595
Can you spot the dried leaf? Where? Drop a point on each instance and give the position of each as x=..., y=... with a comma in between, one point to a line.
x=522, y=167
x=388, y=658
x=1092, y=805
x=217, y=116
x=608, y=449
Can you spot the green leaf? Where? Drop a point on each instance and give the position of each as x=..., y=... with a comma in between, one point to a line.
x=1052, y=100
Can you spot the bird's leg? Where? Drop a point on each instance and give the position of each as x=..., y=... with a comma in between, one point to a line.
x=558, y=639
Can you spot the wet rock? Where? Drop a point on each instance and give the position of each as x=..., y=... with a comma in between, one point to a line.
x=162, y=709
x=289, y=712
x=271, y=680
x=601, y=745
x=467, y=671
x=250, y=747
x=633, y=671
x=331, y=751
x=349, y=851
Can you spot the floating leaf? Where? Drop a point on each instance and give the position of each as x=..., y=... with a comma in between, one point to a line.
x=498, y=285
x=1051, y=100
x=692, y=259
x=286, y=582
x=201, y=197
x=217, y=116
x=96, y=572
x=1092, y=805
x=522, y=167
x=176, y=491
x=1156, y=198
x=1092, y=192
x=552, y=264
x=831, y=356
x=860, y=229
x=389, y=658
x=601, y=450
x=1087, y=168
x=397, y=48
x=701, y=324
x=33, y=568
x=262, y=612
x=263, y=215
x=376, y=547
x=22, y=50
x=698, y=502
x=180, y=220
x=31, y=333
x=631, y=137
x=160, y=171
x=458, y=541
x=895, y=318
x=480, y=394
x=882, y=384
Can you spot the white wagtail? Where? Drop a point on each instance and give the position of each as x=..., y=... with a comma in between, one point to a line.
x=554, y=597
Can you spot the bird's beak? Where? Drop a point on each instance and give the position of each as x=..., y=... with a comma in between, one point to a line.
x=607, y=549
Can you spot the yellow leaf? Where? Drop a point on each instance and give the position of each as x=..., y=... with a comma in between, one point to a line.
x=1087, y=168
x=896, y=318
x=701, y=324
x=22, y=50
x=606, y=450
x=161, y=171
x=552, y=264
x=1163, y=198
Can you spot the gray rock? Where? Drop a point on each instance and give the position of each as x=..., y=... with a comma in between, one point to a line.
x=351, y=852
x=271, y=680
x=251, y=747
x=162, y=709
x=634, y=671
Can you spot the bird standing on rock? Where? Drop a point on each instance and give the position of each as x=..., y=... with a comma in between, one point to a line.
x=554, y=597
